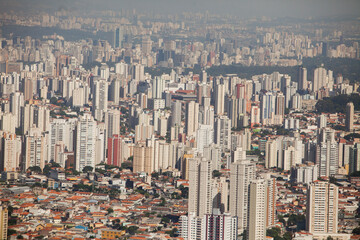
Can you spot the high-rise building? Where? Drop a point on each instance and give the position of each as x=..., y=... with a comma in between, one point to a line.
x=322, y=78
x=354, y=158
x=305, y=174
x=35, y=116
x=200, y=187
x=296, y=102
x=118, y=37
x=203, y=91
x=204, y=137
x=325, y=49
x=241, y=139
x=61, y=132
x=143, y=159
x=222, y=132
x=28, y=89
x=143, y=132
x=215, y=226
x=16, y=103
x=115, y=91
x=271, y=202
x=3, y=221
x=322, y=121
x=256, y=225
x=206, y=115
x=35, y=149
x=100, y=100
x=78, y=97
x=319, y=78
x=158, y=87
x=327, y=153
x=8, y=122
x=164, y=154
x=114, y=150
x=236, y=110
x=212, y=153
x=218, y=226
x=138, y=72
x=175, y=113
x=267, y=105
x=219, y=99
x=112, y=122
x=10, y=153
x=255, y=116
x=146, y=45
x=280, y=104
x=192, y=118
x=302, y=78
x=191, y=227
x=322, y=208
x=122, y=68
x=85, y=142
x=344, y=154
x=271, y=153
x=241, y=174
x=100, y=143
x=349, y=123
x=203, y=77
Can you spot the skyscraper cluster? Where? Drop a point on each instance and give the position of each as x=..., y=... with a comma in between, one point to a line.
x=149, y=105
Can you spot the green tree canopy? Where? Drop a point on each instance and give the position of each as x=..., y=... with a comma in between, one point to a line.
x=36, y=169
x=87, y=169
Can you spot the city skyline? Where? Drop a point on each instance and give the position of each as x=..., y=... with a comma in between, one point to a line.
x=192, y=120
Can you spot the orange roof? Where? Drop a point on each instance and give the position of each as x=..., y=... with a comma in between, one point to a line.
x=74, y=198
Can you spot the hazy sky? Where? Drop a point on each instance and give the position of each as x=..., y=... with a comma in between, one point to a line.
x=246, y=8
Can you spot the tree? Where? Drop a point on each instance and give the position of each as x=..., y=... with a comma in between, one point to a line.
x=298, y=220
x=37, y=184
x=216, y=173
x=165, y=220
x=175, y=195
x=10, y=210
x=53, y=100
x=72, y=171
x=356, y=231
x=163, y=202
x=54, y=164
x=36, y=169
x=155, y=175
x=303, y=118
x=287, y=236
x=351, y=136
x=127, y=165
x=132, y=230
x=110, y=210
x=337, y=103
x=281, y=219
x=244, y=235
x=87, y=169
x=184, y=191
x=11, y=232
x=273, y=232
x=355, y=174
x=332, y=180
x=46, y=169
x=174, y=232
